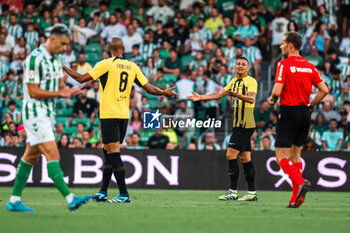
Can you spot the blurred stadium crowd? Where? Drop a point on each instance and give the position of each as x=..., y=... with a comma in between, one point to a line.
x=192, y=44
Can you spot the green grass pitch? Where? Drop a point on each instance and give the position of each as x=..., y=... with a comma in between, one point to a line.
x=177, y=211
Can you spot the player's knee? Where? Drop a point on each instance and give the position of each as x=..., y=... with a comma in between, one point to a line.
x=230, y=156
x=54, y=156
x=112, y=147
x=30, y=159
x=244, y=159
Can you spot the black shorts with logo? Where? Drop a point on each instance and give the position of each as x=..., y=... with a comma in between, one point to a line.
x=113, y=130
x=240, y=139
x=292, y=126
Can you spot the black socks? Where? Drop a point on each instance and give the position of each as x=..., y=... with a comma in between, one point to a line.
x=233, y=172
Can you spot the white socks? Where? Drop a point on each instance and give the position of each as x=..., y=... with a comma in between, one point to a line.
x=14, y=199
x=69, y=198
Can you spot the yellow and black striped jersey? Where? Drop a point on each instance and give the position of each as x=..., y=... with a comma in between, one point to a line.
x=117, y=76
x=243, y=112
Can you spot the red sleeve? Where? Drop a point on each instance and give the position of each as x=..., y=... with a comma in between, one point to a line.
x=280, y=73
x=316, y=78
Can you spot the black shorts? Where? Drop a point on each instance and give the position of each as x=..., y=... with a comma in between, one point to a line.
x=345, y=9
x=292, y=126
x=240, y=139
x=113, y=130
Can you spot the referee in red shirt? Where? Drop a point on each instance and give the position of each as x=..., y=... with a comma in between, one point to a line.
x=294, y=79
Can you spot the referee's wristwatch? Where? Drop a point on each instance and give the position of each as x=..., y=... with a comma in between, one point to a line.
x=310, y=107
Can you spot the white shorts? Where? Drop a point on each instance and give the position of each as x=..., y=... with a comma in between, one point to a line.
x=39, y=130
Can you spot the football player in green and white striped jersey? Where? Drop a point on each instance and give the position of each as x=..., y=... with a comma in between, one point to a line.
x=41, y=85
x=31, y=36
x=14, y=29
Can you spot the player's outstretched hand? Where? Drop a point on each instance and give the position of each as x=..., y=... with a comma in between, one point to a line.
x=169, y=92
x=76, y=90
x=194, y=97
x=232, y=93
x=68, y=92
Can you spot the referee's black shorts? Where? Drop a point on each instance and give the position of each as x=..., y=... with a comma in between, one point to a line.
x=113, y=130
x=292, y=126
x=240, y=139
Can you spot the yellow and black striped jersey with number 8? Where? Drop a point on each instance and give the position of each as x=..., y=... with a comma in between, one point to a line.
x=117, y=76
x=243, y=112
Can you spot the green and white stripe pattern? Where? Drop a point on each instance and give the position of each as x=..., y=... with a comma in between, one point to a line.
x=4, y=68
x=41, y=68
x=329, y=5
x=224, y=80
x=15, y=30
x=146, y=50
x=345, y=70
x=159, y=64
x=303, y=17
x=32, y=39
x=252, y=54
x=196, y=64
x=205, y=34
x=345, y=2
x=229, y=53
x=98, y=27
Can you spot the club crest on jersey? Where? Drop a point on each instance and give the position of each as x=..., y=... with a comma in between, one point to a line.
x=292, y=69
x=31, y=74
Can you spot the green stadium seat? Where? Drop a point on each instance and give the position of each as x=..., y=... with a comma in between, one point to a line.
x=63, y=120
x=144, y=136
x=201, y=114
x=94, y=40
x=4, y=110
x=153, y=104
x=151, y=97
x=164, y=54
x=87, y=12
x=185, y=62
x=67, y=112
x=18, y=103
x=93, y=48
x=170, y=77
x=70, y=130
x=92, y=58
x=96, y=122
x=77, y=47
x=85, y=121
x=97, y=133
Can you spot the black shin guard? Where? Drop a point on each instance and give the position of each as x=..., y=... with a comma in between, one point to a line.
x=233, y=172
x=107, y=172
x=249, y=172
x=119, y=171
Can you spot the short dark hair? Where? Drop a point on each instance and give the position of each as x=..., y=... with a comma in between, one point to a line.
x=335, y=120
x=60, y=29
x=295, y=39
x=11, y=102
x=242, y=58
